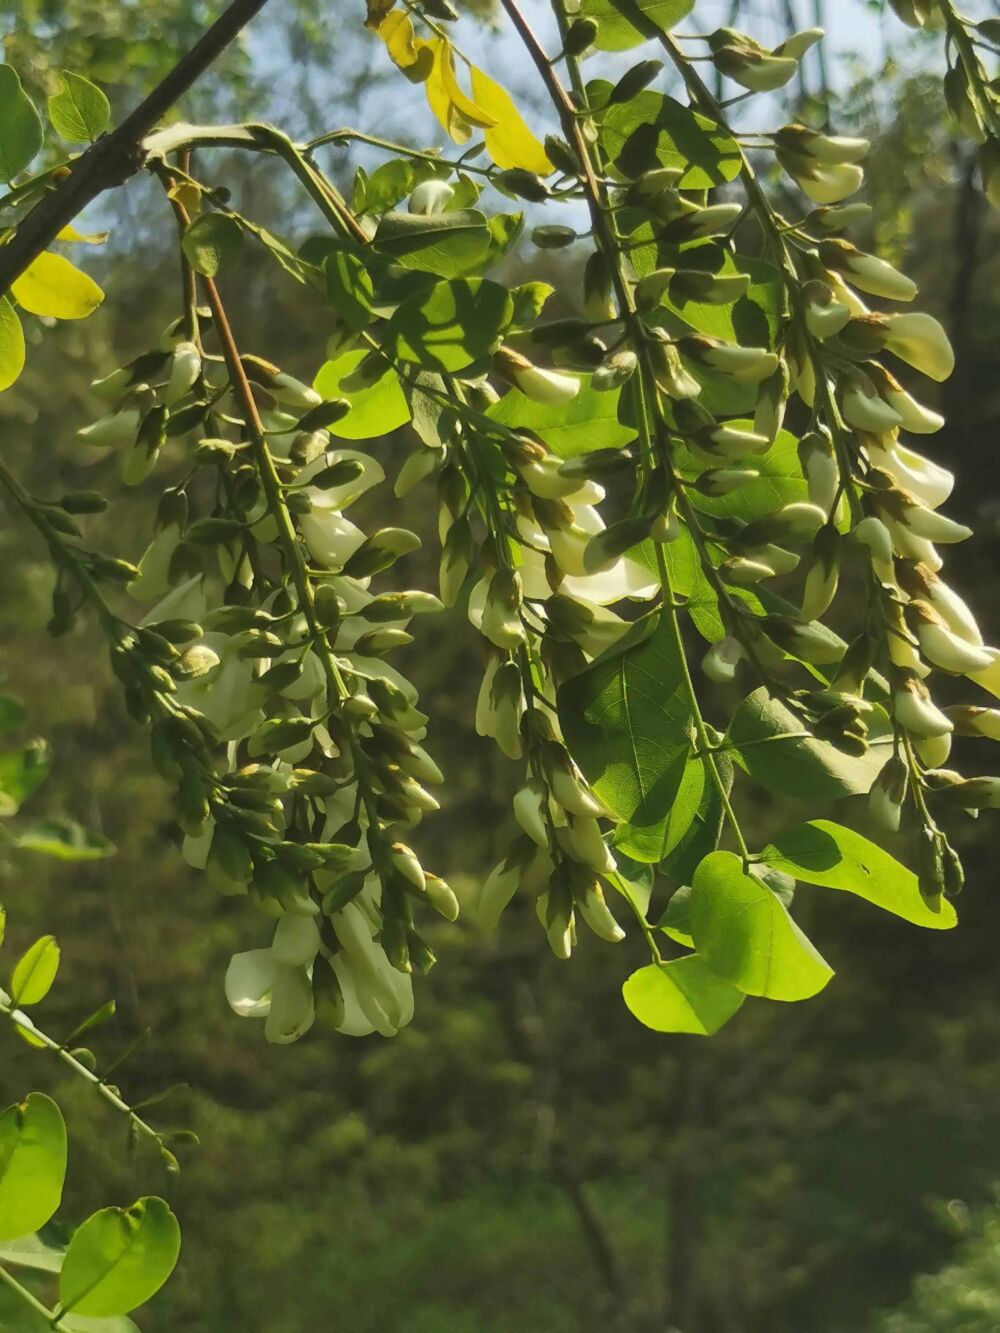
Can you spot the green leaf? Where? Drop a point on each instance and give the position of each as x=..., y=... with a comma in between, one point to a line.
x=780, y=483
x=11, y=343
x=745, y=934
x=375, y=411
x=651, y=131
x=390, y=183
x=587, y=422
x=450, y=326
x=676, y=920
x=616, y=33
x=22, y=772
x=681, y=996
x=35, y=971
x=211, y=241
x=81, y=112
x=626, y=719
x=64, y=839
x=448, y=244
x=20, y=125
x=119, y=1258
x=32, y=1165
x=349, y=288
x=835, y=857
x=706, y=828
x=768, y=741
x=78, y=1323
x=32, y=1252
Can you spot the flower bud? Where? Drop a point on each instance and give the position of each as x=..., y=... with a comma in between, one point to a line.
x=723, y=481
x=820, y=468
x=915, y=710
x=863, y=408
x=118, y=428
x=916, y=418
x=550, y=387
x=821, y=182
x=821, y=147
x=885, y=800
x=873, y=533
x=720, y=662
x=823, y=574
x=825, y=315
x=943, y=648
x=871, y=274
x=566, y=782
x=746, y=365
x=185, y=368
x=920, y=341
x=772, y=400
x=595, y=911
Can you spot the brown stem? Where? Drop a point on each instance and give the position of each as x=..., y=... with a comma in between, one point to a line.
x=117, y=156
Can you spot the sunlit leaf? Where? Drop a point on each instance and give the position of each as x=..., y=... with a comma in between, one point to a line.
x=35, y=971
x=32, y=1165
x=651, y=131
x=509, y=142
x=11, y=344
x=616, y=33
x=20, y=125
x=448, y=244
x=681, y=996
x=746, y=935
x=452, y=325
x=80, y=112
x=22, y=772
x=375, y=411
x=31, y=1252
x=589, y=421
x=119, y=1258
x=835, y=857
x=627, y=719
x=52, y=286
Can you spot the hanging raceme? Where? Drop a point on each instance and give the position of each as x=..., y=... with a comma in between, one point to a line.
x=708, y=440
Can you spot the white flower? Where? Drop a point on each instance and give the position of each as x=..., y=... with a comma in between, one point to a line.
x=118, y=428
x=185, y=367
x=545, y=386
x=920, y=341
x=430, y=197
x=291, y=1013
x=929, y=482
x=720, y=662
x=330, y=537
x=296, y=941
x=227, y=695
x=530, y=810
x=916, y=711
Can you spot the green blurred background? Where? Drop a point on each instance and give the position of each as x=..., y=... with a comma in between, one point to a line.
x=524, y=1158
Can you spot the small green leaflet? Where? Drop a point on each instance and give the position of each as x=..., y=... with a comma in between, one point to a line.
x=11, y=344
x=835, y=857
x=587, y=422
x=681, y=996
x=616, y=33
x=448, y=244
x=651, y=131
x=375, y=411
x=768, y=741
x=32, y=1165
x=31, y=1252
x=119, y=1258
x=80, y=112
x=390, y=183
x=450, y=326
x=745, y=934
x=627, y=721
x=35, y=971
x=20, y=126
x=211, y=241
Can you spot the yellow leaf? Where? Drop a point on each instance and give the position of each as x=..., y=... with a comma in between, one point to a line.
x=70, y=233
x=450, y=103
x=51, y=285
x=397, y=33
x=508, y=141
x=11, y=344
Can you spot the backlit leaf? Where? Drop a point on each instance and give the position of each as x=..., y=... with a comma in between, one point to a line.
x=52, y=286
x=35, y=971
x=80, y=112
x=375, y=411
x=211, y=241
x=11, y=345
x=744, y=932
x=681, y=996
x=835, y=857
x=20, y=125
x=119, y=1258
x=589, y=421
x=32, y=1165
x=652, y=131
x=616, y=33
x=64, y=840
x=626, y=719
x=509, y=142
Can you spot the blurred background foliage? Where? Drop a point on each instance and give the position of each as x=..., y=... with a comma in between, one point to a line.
x=524, y=1157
